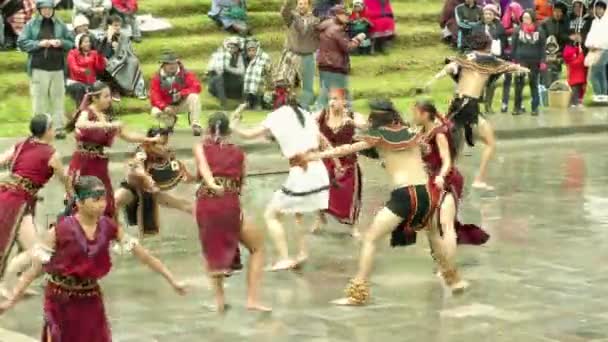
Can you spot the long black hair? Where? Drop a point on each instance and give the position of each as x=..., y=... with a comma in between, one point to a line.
x=427, y=106
x=94, y=92
x=218, y=125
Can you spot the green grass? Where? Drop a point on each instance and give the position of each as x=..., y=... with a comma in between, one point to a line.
x=417, y=54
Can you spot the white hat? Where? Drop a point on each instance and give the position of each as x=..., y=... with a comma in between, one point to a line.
x=358, y=3
x=80, y=20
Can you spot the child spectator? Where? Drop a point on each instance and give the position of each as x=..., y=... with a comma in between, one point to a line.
x=126, y=9
x=577, y=72
x=360, y=24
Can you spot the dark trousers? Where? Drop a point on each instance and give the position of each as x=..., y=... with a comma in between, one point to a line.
x=226, y=86
x=506, y=89
x=578, y=94
x=552, y=74
x=77, y=91
x=533, y=82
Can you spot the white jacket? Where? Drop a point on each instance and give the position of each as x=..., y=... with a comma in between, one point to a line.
x=598, y=35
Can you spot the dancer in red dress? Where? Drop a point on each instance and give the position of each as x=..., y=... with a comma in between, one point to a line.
x=94, y=132
x=339, y=126
x=75, y=255
x=32, y=163
x=222, y=225
x=438, y=159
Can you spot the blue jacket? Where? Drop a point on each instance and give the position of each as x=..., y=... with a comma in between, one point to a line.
x=28, y=39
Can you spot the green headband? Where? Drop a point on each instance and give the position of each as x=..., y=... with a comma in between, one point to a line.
x=84, y=194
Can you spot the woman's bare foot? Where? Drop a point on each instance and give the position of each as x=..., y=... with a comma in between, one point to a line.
x=459, y=287
x=345, y=302
x=282, y=265
x=481, y=185
x=300, y=261
x=255, y=306
x=356, y=234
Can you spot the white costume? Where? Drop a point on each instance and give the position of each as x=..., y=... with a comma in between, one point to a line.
x=304, y=190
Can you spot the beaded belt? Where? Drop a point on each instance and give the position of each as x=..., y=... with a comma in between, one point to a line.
x=93, y=150
x=21, y=183
x=71, y=283
x=229, y=184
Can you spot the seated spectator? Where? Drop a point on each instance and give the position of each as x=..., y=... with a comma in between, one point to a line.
x=14, y=14
x=257, y=73
x=380, y=14
x=322, y=8
x=126, y=10
x=574, y=57
x=174, y=90
x=597, y=57
x=97, y=11
x=543, y=9
x=226, y=71
x=231, y=15
x=123, y=71
x=580, y=23
x=493, y=28
x=447, y=22
x=358, y=24
x=467, y=15
x=84, y=64
x=80, y=25
x=511, y=20
x=529, y=51
x=556, y=29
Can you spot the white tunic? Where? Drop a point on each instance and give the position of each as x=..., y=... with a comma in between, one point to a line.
x=304, y=190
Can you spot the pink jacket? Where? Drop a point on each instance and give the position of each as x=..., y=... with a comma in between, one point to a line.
x=513, y=10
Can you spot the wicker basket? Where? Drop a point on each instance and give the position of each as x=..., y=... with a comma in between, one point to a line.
x=559, y=98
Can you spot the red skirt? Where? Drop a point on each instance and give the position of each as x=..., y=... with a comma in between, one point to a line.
x=14, y=205
x=467, y=234
x=90, y=165
x=344, y=193
x=219, y=225
x=74, y=316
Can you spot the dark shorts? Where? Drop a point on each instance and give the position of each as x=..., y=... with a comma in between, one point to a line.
x=414, y=203
x=464, y=112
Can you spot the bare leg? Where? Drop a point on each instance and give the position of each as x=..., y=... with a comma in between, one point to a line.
x=220, y=298
x=384, y=222
x=122, y=198
x=447, y=219
x=302, y=240
x=173, y=202
x=253, y=239
x=447, y=268
x=277, y=233
x=486, y=134
x=320, y=221
x=28, y=237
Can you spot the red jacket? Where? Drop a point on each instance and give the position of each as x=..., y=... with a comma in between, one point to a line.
x=575, y=60
x=84, y=68
x=185, y=83
x=125, y=6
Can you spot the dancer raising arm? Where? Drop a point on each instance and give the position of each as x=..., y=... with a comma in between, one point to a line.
x=74, y=256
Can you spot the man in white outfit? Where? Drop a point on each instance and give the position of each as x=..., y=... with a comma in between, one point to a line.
x=306, y=189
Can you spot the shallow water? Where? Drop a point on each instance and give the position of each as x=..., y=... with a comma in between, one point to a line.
x=539, y=278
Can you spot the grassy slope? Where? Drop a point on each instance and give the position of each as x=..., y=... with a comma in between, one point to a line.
x=417, y=54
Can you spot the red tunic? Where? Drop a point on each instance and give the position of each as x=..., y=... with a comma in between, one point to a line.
x=30, y=172
x=219, y=218
x=73, y=303
x=454, y=183
x=89, y=159
x=345, y=192
x=380, y=13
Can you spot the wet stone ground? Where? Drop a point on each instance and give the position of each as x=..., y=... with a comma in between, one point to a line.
x=540, y=277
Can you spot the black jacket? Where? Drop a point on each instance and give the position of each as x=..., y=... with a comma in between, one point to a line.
x=528, y=48
x=559, y=29
x=496, y=32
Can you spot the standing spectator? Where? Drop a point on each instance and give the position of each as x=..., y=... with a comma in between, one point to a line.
x=511, y=20
x=97, y=11
x=468, y=15
x=300, y=45
x=127, y=9
x=543, y=9
x=574, y=57
x=447, y=22
x=84, y=64
x=333, y=58
x=46, y=39
x=358, y=24
x=380, y=14
x=173, y=90
x=257, y=73
x=580, y=23
x=123, y=70
x=528, y=51
x=14, y=13
x=493, y=28
x=556, y=30
x=597, y=43
x=226, y=71
x=231, y=15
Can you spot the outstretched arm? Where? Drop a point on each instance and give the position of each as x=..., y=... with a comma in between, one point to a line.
x=6, y=157
x=341, y=151
x=59, y=172
x=449, y=69
x=143, y=255
x=204, y=169
x=134, y=137
x=251, y=133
